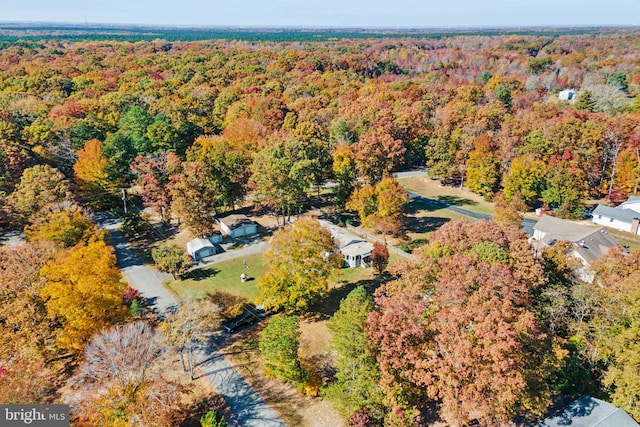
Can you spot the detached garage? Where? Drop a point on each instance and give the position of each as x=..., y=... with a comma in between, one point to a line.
x=200, y=248
x=236, y=226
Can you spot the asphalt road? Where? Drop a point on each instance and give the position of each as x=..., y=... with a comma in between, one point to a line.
x=247, y=407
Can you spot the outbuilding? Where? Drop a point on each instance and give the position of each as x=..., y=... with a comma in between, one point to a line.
x=238, y=225
x=200, y=248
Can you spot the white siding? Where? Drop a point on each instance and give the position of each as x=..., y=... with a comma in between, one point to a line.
x=610, y=222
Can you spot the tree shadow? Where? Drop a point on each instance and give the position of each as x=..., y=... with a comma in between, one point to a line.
x=201, y=274
x=455, y=201
x=327, y=306
x=422, y=205
x=425, y=224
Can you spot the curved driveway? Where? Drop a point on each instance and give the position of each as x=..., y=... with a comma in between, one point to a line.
x=247, y=407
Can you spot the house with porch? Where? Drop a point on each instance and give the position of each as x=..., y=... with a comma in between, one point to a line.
x=355, y=250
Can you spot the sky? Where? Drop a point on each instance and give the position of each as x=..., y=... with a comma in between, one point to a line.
x=329, y=13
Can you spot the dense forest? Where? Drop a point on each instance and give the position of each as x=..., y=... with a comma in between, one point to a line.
x=193, y=127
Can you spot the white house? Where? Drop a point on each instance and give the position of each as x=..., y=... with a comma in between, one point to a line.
x=236, y=226
x=355, y=250
x=589, y=244
x=200, y=248
x=625, y=217
x=590, y=412
x=566, y=95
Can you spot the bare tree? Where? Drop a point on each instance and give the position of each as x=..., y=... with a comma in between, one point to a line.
x=188, y=327
x=117, y=380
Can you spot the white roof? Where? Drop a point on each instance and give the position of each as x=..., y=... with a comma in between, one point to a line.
x=196, y=244
x=348, y=243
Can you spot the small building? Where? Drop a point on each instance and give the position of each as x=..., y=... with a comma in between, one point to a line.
x=200, y=248
x=566, y=95
x=355, y=250
x=236, y=226
x=632, y=203
x=589, y=244
x=590, y=412
x=215, y=237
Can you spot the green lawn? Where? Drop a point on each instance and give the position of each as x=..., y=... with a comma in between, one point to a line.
x=224, y=277
x=446, y=194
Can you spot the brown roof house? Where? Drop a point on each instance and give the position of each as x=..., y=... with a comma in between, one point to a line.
x=238, y=225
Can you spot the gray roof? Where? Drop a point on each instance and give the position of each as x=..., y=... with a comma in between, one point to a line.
x=590, y=243
x=196, y=244
x=590, y=412
x=624, y=215
x=562, y=229
x=348, y=243
x=630, y=200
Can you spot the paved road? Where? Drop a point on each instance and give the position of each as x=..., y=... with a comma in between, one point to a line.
x=247, y=407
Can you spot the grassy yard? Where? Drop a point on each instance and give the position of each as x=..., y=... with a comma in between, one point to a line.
x=447, y=194
x=223, y=276
x=424, y=218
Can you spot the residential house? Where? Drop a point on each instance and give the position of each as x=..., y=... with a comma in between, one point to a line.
x=590, y=412
x=625, y=217
x=200, y=248
x=355, y=250
x=589, y=244
x=238, y=225
x=566, y=95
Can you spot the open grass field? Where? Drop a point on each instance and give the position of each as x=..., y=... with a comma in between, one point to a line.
x=223, y=276
x=450, y=195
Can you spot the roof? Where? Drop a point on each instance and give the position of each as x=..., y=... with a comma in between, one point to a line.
x=348, y=243
x=624, y=215
x=590, y=412
x=590, y=243
x=196, y=244
x=235, y=221
x=630, y=200
x=562, y=229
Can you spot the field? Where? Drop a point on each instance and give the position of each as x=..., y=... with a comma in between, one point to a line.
x=450, y=195
x=223, y=276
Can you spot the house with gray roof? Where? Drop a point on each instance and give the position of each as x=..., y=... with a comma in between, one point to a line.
x=590, y=412
x=238, y=225
x=589, y=244
x=625, y=217
x=355, y=250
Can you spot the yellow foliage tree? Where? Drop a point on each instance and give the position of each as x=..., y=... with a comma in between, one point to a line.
x=301, y=260
x=90, y=169
x=83, y=291
x=67, y=225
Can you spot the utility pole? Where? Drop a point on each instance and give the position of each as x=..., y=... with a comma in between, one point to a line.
x=124, y=200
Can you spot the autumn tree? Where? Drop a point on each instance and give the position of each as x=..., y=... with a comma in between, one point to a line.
x=301, y=259
x=187, y=327
x=279, y=343
x=613, y=327
x=91, y=171
x=483, y=175
x=526, y=178
x=67, y=225
x=282, y=173
x=171, y=258
x=381, y=207
x=154, y=175
x=119, y=382
x=376, y=153
x=194, y=198
x=456, y=327
x=39, y=186
x=344, y=169
x=357, y=383
x=83, y=291
x=380, y=257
